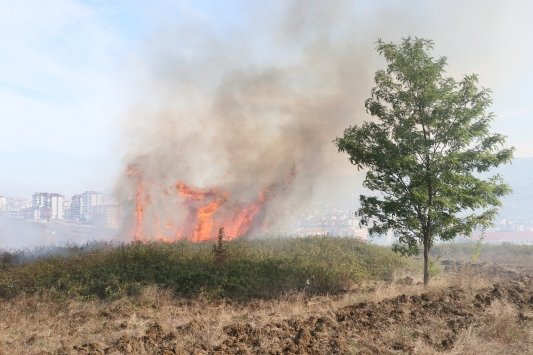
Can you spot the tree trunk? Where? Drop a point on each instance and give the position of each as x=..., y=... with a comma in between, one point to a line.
x=426, y=261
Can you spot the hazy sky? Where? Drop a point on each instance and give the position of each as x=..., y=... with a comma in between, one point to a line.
x=68, y=70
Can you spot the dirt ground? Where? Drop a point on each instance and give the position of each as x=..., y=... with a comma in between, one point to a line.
x=469, y=308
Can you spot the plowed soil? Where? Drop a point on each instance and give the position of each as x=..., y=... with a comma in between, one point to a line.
x=414, y=321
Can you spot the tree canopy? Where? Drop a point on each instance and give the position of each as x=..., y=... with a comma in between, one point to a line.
x=427, y=151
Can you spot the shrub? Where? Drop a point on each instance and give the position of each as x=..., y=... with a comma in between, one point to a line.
x=251, y=268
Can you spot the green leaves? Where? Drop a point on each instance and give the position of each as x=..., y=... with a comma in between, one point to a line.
x=252, y=268
x=426, y=151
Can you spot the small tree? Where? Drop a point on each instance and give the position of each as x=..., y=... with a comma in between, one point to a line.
x=426, y=152
x=219, y=249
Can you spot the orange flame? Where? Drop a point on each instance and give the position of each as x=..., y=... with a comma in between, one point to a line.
x=141, y=200
x=247, y=217
x=202, y=206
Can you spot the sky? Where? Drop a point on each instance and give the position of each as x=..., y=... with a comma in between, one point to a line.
x=70, y=70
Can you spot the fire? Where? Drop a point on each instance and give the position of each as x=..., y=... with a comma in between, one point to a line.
x=207, y=209
x=141, y=200
x=202, y=204
x=244, y=219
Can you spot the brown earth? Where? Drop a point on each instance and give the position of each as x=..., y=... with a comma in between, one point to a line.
x=470, y=309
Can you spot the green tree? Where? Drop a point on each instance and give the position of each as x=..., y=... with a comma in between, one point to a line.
x=427, y=152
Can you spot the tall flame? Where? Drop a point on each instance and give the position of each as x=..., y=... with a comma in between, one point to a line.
x=141, y=200
x=202, y=207
x=202, y=204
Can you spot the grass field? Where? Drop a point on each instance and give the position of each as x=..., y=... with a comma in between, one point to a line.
x=258, y=296
x=247, y=268
x=505, y=253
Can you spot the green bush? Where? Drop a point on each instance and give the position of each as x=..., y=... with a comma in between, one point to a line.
x=251, y=268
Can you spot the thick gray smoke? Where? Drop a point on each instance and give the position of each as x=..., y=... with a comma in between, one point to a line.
x=240, y=116
x=240, y=112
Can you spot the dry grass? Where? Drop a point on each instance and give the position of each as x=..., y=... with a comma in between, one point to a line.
x=29, y=324
x=35, y=324
x=503, y=332
x=504, y=254
x=402, y=317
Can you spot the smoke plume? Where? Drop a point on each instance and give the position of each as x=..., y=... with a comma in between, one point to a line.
x=242, y=118
x=239, y=117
